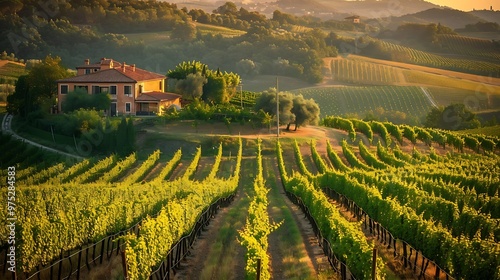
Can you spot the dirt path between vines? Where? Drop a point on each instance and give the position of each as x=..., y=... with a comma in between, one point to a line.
x=293, y=248
x=217, y=254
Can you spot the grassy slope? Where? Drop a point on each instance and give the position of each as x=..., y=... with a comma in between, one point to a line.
x=445, y=87
x=161, y=37
x=490, y=131
x=213, y=29
x=10, y=70
x=357, y=99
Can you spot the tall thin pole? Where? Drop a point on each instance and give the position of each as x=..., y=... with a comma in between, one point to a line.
x=374, y=264
x=277, y=110
x=241, y=95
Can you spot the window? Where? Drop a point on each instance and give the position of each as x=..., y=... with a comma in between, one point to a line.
x=64, y=89
x=160, y=85
x=127, y=90
x=95, y=89
x=127, y=107
x=87, y=71
x=112, y=90
x=104, y=89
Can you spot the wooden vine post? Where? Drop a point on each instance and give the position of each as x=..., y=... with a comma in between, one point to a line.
x=374, y=264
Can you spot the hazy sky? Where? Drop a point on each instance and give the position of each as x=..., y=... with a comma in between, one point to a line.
x=468, y=5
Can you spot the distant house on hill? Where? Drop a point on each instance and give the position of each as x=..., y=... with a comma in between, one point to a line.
x=133, y=91
x=353, y=19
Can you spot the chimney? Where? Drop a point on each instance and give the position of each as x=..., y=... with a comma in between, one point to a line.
x=123, y=67
x=87, y=61
x=133, y=67
x=106, y=64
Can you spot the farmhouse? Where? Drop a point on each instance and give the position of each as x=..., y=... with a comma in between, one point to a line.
x=353, y=19
x=133, y=91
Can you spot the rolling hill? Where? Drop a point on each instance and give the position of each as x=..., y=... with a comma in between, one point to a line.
x=446, y=16
x=492, y=16
x=326, y=9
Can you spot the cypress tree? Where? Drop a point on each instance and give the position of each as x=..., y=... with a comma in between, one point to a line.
x=121, y=147
x=131, y=136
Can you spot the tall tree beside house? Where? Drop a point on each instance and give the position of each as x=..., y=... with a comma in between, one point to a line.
x=214, y=91
x=42, y=79
x=220, y=85
x=109, y=137
x=185, y=68
x=17, y=102
x=131, y=136
x=37, y=91
x=125, y=137
x=121, y=138
x=192, y=86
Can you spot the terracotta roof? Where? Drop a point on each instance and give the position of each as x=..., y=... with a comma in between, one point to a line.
x=157, y=96
x=102, y=76
x=119, y=73
x=139, y=74
x=115, y=75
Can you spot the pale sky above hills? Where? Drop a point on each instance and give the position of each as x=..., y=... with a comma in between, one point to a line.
x=468, y=5
x=464, y=5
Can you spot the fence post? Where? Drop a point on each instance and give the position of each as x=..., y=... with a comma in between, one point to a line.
x=259, y=263
x=343, y=271
x=374, y=264
x=124, y=264
x=103, y=242
x=79, y=263
x=405, y=255
x=59, y=271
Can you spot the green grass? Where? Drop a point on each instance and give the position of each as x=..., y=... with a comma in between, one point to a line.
x=215, y=30
x=264, y=82
x=420, y=77
x=12, y=70
x=358, y=100
x=225, y=250
x=43, y=137
x=413, y=56
x=357, y=71
x=299, y=29
x=160, y=38
x=488, y=131
x=291, y=242
x=150, y=38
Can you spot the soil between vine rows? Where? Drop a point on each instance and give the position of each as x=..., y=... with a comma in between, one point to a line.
x=217, y=253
